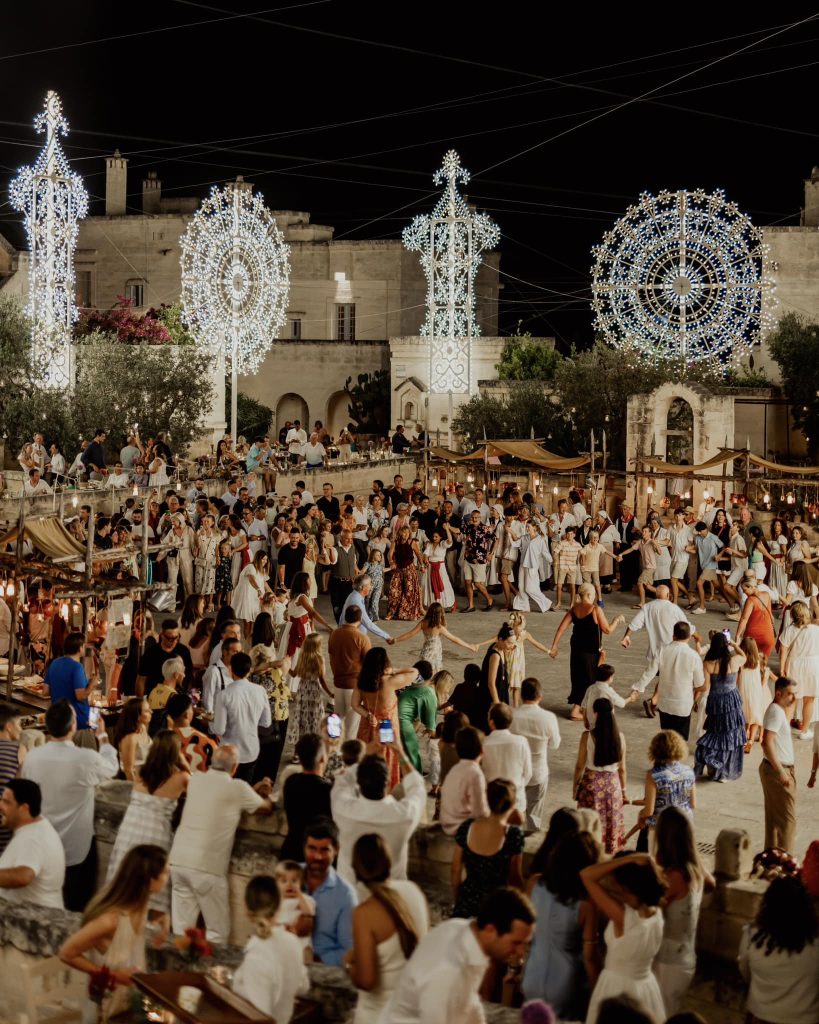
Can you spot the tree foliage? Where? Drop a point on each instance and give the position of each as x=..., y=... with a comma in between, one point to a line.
x=370, y=405
x=160, y=387
x=252, y=416
x=794, y=345
x=525, y=358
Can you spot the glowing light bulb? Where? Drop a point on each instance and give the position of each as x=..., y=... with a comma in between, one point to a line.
x=135, y=491
x=555, y=491
x=706, y=495
x=126, y=618
x=766, y=498
x=75, y=501
x=10, y=588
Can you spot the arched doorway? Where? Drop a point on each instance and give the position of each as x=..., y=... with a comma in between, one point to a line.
x=680, y=432
x=338, y=412
x=292, y=407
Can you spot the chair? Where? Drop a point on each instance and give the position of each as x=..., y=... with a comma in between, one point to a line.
x=53, y=992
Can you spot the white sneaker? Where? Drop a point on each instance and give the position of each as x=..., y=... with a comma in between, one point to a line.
x=806, y=735
x=698, y=611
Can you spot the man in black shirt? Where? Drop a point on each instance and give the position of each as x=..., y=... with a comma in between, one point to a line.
x=396, y=495
x=427, y=517
x=328, y=504
x=306, y=795
x=453, y=553
x=400, y=443
x=93, y=458
x=291, y=557
x=168, y=646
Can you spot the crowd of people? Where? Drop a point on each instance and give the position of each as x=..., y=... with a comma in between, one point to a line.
x=242, y=669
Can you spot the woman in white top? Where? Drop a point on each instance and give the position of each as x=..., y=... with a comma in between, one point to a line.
x=272, y=972
x=600, y=773
x=251, y=590
x=676, y=854
x=361, y=516
x=56, y=465
x=799, y=659
x=132, y=739
x=112, y=933
x=608, y=538
x=387, y=926
x=801, y=587
x=435, y=583
x=158, y=471
x=779, y=956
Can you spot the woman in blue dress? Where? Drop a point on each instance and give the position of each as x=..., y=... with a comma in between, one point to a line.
x=720, y=748
x=563, y=961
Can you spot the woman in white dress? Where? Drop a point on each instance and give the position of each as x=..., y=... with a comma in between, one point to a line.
x=634, y=933
x=206, y=548
x=387, y=926
x=802, y=588
x=435, y=583
x=158, y=471
x=799, y=550
x=310, y=564
x=752, y=685
x=361, y=517
x=778, y=546
x=251, y=590
x=241, y=548
x=534, y=551
x=112, y=933
x=687, y=879
x=608, y=538
x=799, y=660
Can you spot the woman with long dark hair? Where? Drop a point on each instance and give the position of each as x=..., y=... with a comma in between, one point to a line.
x=131, y=737
x=375, y=700
x=162, y=781
x=563, y=962
x=564, y=821
x=600, y=774
x=779, y=956
x=494, y=685
x=387, y=926
x=263, y=631
x=112, y=933
x=719, y=751
x=676, y=853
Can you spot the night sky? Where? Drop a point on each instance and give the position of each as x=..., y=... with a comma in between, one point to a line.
x=345, y=110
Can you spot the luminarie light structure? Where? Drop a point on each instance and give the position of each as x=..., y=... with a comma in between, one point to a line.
x=235, y=279
x=451, y=241
x=52, y=198
x=682, y=275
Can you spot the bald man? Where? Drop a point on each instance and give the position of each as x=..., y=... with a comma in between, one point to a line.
x=658, y=618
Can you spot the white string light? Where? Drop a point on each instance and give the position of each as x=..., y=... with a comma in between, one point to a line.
x=451, y=241
x=682, y=275
x=52, y=198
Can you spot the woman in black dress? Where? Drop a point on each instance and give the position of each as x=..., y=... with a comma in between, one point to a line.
x=494, y=685
x=588, y=623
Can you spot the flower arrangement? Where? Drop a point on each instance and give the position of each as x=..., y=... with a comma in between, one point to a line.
x=193, y=944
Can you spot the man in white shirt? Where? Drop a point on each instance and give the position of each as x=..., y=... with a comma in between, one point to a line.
x=540, y=730
x=360, y=804
x=658, y=617
x=35, y=485
x=476, y=504
x=561, y=520
x=602, y=687
x=68, y=777
x=314, y=453
x=463, y=793
x=231, y=630
x=32, y=866
x=231, y=495
x=681, y=536
x=776, y=770
x=119, y=478
x=296, y=439
x=38, y=452
x=238, y=711
x=441, y=981
x=681, y=682
x=505, y=755
x=200, y=854
x=305, y=496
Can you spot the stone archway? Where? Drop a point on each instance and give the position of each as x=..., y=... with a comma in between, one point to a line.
x=679, y=446
x=292, y=407
x=338, y=412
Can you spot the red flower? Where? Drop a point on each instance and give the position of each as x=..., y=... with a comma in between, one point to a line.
x=100, y=983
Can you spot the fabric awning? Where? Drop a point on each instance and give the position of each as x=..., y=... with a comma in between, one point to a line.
x=659, y=464
x=50, y=537
x=526, y=451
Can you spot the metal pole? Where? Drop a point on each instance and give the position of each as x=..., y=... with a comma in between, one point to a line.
x=594, y=481
x=450, y=419
x=234, y=393
x=18, y=562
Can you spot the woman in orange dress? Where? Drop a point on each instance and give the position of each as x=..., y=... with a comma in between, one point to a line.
x=757, y=618
x=375, y=700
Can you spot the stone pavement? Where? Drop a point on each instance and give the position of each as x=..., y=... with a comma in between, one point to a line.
x=719, y=805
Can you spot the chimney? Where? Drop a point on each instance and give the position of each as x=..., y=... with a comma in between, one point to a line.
x=116, y=184
x=810, y=214
x=151, y=193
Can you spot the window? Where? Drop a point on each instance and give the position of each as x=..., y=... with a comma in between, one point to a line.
x=409, y=411
x=83, y=289
x=345, y=321
x=295, y=329
x=135, y=291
